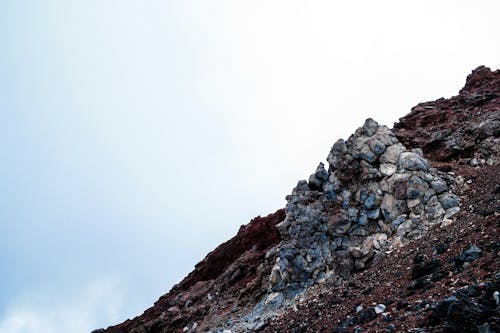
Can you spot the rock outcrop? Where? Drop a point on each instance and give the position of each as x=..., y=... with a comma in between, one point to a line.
x=376, y=193
x=465, y=127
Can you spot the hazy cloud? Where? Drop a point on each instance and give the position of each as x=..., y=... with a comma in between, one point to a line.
x=54, y=312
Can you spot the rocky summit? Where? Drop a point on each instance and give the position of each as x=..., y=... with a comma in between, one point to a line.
x=398, y=231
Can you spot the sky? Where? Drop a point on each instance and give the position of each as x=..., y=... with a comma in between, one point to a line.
x=136, y=136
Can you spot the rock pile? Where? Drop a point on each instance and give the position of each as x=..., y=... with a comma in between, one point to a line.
x=375, y=193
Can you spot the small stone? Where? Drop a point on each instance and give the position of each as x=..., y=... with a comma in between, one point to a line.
x=395, y=224
x=275, y=276
x=413, y=162
x=367, y=315
x=355, y=252
x=428, y=195
x=315, y=183
x=401, y=177
x=474, y=162
x=359, y=308
x=496, y=297
x=391, y=154
x=400, y=189
x=470, y=254
x=434, y=208
x=367, y=155
x=362, y=219
x=321, y=173
x=370, y=127
x=448, y=200
x=445, y=223
x=379, y=308
x=377, y=147
x=373, y=214
x=418, y=151
x=385, y=186
x=367, y=247
x=353, y=214
x=452, y=211
x=404, y=228
x=388, y=169
x=384, y=227
x=417, y=187
x=359, y=264
x=390, y=328
x=336, y=153
x=439, y=186
x=413, y=202
x=388, y=207
x=369, y=201
x=343, y=228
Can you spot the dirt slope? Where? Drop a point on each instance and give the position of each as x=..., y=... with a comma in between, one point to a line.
x=442, y=282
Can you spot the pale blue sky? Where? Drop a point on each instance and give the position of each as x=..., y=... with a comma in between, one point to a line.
x=135, y=136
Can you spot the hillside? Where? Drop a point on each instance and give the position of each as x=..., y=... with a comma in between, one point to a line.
x=399, y=232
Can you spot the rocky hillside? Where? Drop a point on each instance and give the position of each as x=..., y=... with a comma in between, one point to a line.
x=400, y=232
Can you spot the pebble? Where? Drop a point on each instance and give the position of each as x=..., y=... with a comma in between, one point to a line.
x=474, y=162
x=379, y=308
x=448, y=200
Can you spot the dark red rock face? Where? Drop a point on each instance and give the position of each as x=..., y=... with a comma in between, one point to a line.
x=450, y=129
x=412, y=284
x=258, y=235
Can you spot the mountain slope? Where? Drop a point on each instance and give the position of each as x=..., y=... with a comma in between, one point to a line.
x=376, y=241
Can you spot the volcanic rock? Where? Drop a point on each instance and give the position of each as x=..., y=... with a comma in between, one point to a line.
x=403, y=221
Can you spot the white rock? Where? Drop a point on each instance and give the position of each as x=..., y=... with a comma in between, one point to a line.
x=388, y=169
x=446, y=222
x=380, y=308
x=392, y=153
